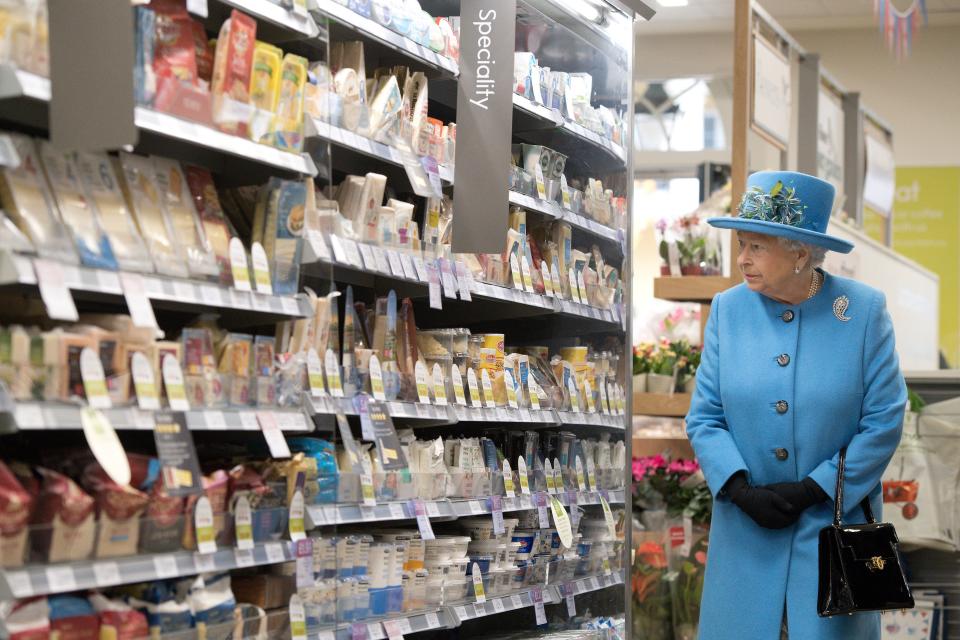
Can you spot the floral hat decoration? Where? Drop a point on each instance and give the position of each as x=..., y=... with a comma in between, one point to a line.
x=788, y=204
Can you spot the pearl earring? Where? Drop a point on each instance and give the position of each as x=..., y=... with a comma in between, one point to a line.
x=796, y=270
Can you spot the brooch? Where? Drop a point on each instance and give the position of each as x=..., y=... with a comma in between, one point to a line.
x=840, y=308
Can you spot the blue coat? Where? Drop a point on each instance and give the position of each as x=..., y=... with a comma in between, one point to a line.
x=840, y=384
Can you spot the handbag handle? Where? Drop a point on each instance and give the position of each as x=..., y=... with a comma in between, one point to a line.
x=838, y=501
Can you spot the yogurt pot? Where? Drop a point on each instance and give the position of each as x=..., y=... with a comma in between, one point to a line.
x=510, y=558
x=482, y=560
x=435, y=591
x=439, y=549
x=509, y=524
x=528, y=539
x=459, y=546
x=457, y=568
x=478, y=528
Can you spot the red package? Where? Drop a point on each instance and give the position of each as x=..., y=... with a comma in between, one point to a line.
x=29, y=620
x=161, y=526
x=63, y=519
x=118, y=620
x=118, y=510
x=232, y=66
x=174, y=54
x=72, y=618
x=203, y=52
x=15, y=505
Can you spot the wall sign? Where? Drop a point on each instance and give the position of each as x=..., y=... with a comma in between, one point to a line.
x=830, y=148
x=880, y=179
x=772, y=97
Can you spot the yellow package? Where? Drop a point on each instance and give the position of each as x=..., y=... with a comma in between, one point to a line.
x=265, y=79
x=289, y=121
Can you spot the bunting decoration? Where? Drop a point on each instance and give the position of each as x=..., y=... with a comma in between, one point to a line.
x=899, y=26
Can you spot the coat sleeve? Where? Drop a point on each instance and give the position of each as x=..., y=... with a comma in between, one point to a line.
x=706, y=423
x=881, y=414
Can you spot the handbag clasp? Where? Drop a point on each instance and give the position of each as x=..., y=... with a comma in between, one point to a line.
x=876, y=563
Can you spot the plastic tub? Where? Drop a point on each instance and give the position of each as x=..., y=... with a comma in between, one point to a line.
x=482, y=560
x=438, y=549
x=509, y=524
x=459, y=546
x=457, y=568
x=478, y=528
x=528, y=539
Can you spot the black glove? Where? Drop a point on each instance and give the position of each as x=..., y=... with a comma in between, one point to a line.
x=767, y=508
x=801, y=495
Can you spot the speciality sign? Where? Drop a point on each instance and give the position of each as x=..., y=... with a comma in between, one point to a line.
x=771, y=91
x=484, y=103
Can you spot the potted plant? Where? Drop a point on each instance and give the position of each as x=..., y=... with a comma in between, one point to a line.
x=641, y=366
x=663, y=369
x=688, y=360
x=652, y=614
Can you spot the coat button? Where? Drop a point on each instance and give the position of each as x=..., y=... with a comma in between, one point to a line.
x=782, y=406
x=787, y=316
x=782, y=454
x=783, y=359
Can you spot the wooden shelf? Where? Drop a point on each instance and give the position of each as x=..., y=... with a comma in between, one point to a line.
x=674, y=405
x=691, y=288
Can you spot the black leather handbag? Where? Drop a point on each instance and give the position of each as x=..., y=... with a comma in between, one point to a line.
x=860, y=568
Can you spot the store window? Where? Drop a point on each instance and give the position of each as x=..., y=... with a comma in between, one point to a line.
x=680, y=114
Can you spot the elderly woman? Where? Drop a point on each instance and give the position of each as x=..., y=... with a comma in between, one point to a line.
x=797, y=364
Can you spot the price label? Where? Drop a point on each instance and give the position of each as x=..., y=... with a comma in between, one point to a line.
x=439, y=386
x=604, y=398
x=339, y=253
x=315, y=374
x=238, y=265
x=432, y=620
x=511, y=387
x=353, y=253
x=536, y=594
x=608, y=517
x=571, y=600
x=272, y=434
x=516, y=602
x=396, y=511
x=54, y=292
x=564, y=191
x=143, y=383
x=515, y=272
x=296, y=519
x=557, y=475
x=409, y=271
x=462, y=614
x=498, y=606
x=332, y=369
x=275, y=553
x=488, y=400
x=465, y=281
x=572, y=281
x=588, y=395
x=562, y=522
x=94, y=380
x=135, y=294
x=433, y=281
x=547, y=282
x=508, y=486
x=393, y=629
x=358, y=631
x=478, y=591
x=474, y=388
x=460, y=396
x=396, y=266
x=423, y=522
x=581, y=482
x=541, y=183
x=496, y=507
x=522, y=474
x=540, y=501
x=534, y=391
x=203, y=523
x=574, y=510
x=243, y=522
x=106, y=574
x=555, y=279
x=591, y=474
x=61, y=578
x=423, y=274
x=574, y=396
x=366, y=254
x=105, y=445
x=303, y=550
x=173, y=383
x=383, y=264
x=420, y=373
x=261, y=269
x=366, y=482
x=449, y=281
x=376, y=379
x=583, y=288
x=165, y=566
x=548, y=475
x=525, y=272
x=298, y=618
x=204, y=562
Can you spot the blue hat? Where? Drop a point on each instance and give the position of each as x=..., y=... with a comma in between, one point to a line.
x=788, y=204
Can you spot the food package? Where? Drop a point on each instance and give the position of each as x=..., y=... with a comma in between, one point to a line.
x=118, y=620
x=216, y=489
x=184, y=219
x=204, y=387
x=73, y=618
x=203, y=52
x=147, y=202
x=212, y=602
x=76, y=210
x=283, y=233
x=385, y=111
x=264, y=89
x=161, y=528
x=27, y=200
x=234, y=366
x=174, y=56
x=288, y=127
x=144, y=77
x=232, y=68
x=118, y=512
x=214, y=222
x=101, y=186
x=68, y=380
x=15, y=507
x=264, y=350
x=64, y=526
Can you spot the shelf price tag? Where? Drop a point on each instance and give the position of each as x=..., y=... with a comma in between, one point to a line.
x=143, y=383
x=315, y=374
x=515, y=274
x=572, y=281
x=420, y=373
x=433, y=281
x=583, y=288
x=478, y=591
x=439, y=386
x=423, y=521
x=298, y=618
x=604, y=398
x=568, y=595
x=332, y=369
x=488, y=400
x=508, y=487
x=376, y=379
x=449, y=281
x=203, y=525
x=526, y=274
x=393, y=629
x=562, y=522
x=303, y=551
x=458, y=393
x=540, y=500
x=243, y=522
x=54, y=292
x=555, y=281
x=547, y=281
x=541, y=183
x=272, y=434
x=522, y=473
x=296, y=520
x=94, y=380
x=106, y=574
x=548, y=475
x=574, y=396
x=608, y=516
x=511, y=386
x=536, y=594
x=465, y=281
x=534, y=391
x=557, y=475
x=564, y=191
x=173, y=383
x=135, y=294
x=105, y=445
x=261, y=269
x=474, y=388
x=366, y=482
x=238, y=265
x=496, y=508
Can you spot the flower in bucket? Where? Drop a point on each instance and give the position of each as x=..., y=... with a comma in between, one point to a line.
x=642, y=354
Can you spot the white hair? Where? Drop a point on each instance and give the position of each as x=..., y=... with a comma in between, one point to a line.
x=817, y=253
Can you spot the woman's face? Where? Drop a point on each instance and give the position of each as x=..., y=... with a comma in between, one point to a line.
x=767, y=266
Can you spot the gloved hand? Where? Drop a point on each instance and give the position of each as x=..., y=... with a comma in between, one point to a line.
x=767, y=508
x=802, y=495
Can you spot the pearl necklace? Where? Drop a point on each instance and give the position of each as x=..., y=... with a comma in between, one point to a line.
x=815, y=282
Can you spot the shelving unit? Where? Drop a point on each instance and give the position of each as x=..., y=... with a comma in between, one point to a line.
x=675, y=405
x=700, y=289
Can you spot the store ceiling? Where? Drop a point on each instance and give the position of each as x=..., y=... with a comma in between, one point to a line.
x=717, y=15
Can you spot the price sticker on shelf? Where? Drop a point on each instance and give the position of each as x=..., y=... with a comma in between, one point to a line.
x=477, y=577
x=394, y=629
x=608, y=516
x=105, y=445
x=148, y=399
x=423, y=521
x=534, y=391
x=588, y=396
x=203, y=525
x=496, y=508
x=547, y=281
x=204, y=562
x=562, y=522
x=296, y=524
x=366, y=255
x=433, y=282
x=536, y=594
x=382, y=262
x=332, y=369
x=541, y=183
x=578, y=465
x=557, y=475
x=515, y=274
x=488, y=400
x=423, y=273
x=165, y=566
x=238, y=265
x=462, y=614
x=540, y=502
x=376, y=379
x=315, y=374
x=591, y=474
x=243, y=522
x=522, y=473
x=516, y=602
x=261, y=269
x=298, y=618
x=54, y=292
x=568, y=595
x=511, y=386
x=508, y=486
x=353, y=253
x=173, y=383
x=574, y=395
x=366, y=483
x=549, y=477
x=94, y=380
x=273, y=435
x=449, y=280
x=439, y=386
x=464, y=280
x=61, y=578
x=275, y=554
x=396, y=265
x=604, y=398
x=135, y=294
x=409, y=270
x=106, y=574
x=303, y=551
x=572, y=281
x=498, y=605
x=420, y=373
x=459, y=395
x=432, y=620
x=474, y=388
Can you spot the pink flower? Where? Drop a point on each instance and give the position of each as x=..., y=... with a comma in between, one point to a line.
x=701, y=557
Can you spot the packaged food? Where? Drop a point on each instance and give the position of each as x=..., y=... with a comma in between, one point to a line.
x=118, y=511
x=289, y=121
x=264, y=349
x=203, y=52
x=118, y=620
x=283, y=233
x=212, y=601
x=73, y=618
x=161, y=527
x=234, y=367
x=145, y=199
x=15, y=507
x=174, y=54
x=215, y=488
x=28, y=201
x=214, y=222
x=232, y=66
x=264, y=89
x=184, y=218
x=144, y=77
x=64, y=526
x=26, y=619
x=203, y=385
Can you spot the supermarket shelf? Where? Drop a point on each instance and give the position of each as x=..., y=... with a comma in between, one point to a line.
x=554, y=211
x=224, y=153
x=505, y=414
x=360, y=144
x=385, y=37
x=163, y=291
x=56, y=416
x=675, y=405
x=44, y=579
x=546, y=207
x=691, y=288
x=578, y=221
x=23, y=97
x=376, y=627
x=275, y=24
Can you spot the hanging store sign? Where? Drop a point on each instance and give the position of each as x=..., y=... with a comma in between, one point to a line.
x=772, y=93
x=880, y=179
x=830, y=139
x=484, y=114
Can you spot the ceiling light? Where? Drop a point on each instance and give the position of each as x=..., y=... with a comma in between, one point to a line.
x=586, y=10
x=673, y=3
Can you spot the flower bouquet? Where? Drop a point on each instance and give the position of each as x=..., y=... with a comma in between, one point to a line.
x=652, y=614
